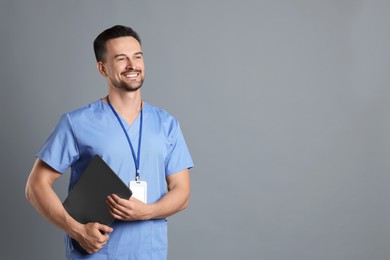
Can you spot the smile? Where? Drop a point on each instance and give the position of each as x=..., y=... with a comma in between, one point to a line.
x=131, y=74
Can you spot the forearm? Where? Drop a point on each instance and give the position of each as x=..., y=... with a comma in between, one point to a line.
x=40, y=194
x=173, y=202
x=176, y=199
x=47, y=203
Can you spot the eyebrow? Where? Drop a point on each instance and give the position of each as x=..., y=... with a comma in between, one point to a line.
x=120, y=55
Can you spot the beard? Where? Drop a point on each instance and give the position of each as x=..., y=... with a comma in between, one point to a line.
x=131, y=86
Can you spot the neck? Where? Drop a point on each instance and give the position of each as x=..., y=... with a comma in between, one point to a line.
x=128, y=105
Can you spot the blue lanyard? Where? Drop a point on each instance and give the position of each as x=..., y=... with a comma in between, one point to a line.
x=136, y=159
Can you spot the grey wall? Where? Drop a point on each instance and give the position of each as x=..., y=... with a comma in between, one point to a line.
x=284, y=105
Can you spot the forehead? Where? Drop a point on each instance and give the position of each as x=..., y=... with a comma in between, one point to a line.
x=122, y=45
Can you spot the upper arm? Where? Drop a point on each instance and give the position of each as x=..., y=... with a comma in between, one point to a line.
x=42, y=173
x=179, y=180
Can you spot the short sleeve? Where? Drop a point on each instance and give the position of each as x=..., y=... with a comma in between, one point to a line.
x=179, y=157
x=60, y=149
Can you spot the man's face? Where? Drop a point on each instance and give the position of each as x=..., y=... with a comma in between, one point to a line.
x=123, y=64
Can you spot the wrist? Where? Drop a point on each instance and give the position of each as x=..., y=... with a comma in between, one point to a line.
x=150, y=211
x=73, y=228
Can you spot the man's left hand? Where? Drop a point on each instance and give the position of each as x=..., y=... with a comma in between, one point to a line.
x=128, y=210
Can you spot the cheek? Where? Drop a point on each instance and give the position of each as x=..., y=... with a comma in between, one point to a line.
x=118, y=69
x=140, y=64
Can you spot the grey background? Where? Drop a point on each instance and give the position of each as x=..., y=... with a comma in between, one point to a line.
x=284, y=105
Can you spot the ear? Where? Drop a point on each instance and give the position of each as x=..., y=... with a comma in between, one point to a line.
x=101, y=68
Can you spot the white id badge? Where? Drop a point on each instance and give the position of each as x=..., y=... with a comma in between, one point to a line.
x=140, y=190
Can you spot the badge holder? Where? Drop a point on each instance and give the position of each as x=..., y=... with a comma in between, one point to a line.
x=140, y=190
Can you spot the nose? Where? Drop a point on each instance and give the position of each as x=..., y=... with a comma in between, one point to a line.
x=130, y=64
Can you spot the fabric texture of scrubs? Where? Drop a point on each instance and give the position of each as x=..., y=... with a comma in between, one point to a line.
x=94, y=129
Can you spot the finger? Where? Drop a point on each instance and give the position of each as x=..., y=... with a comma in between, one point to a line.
x=111, y=200
x=97, y=246
x=115, y=198
x=111, y=203
x=103, y=240
x=120, y=200
x=118, y=206
x=117, y=213
x=118, y=217
x=104, y=228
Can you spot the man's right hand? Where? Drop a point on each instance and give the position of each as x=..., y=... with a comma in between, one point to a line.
x=93, y=236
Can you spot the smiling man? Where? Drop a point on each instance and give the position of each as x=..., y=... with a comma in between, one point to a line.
x=143, y=144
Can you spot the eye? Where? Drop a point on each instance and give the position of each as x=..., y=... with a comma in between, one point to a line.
x=120, y=58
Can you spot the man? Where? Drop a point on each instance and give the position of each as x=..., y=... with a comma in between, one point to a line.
x=137, y=140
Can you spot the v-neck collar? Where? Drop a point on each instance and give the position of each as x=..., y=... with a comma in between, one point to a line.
x=130, y=128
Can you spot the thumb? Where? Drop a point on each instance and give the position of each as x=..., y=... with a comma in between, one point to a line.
x=104, y=228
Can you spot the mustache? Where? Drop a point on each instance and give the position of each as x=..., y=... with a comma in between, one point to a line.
x=131, y=70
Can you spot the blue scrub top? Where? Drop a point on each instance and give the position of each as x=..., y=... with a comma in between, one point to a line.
x=94, y=129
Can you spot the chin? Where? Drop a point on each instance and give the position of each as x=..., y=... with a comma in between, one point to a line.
x=132, y=88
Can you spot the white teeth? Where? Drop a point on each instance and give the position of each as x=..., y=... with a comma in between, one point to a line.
x=131, y=75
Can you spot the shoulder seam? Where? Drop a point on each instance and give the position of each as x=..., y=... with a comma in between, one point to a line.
x=74, y=134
